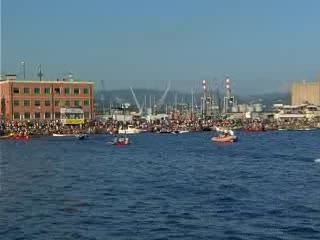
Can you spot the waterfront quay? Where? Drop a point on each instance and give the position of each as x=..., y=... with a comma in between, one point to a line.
x=66, y=106
x=49, y=127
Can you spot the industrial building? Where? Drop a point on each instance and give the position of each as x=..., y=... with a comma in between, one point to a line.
x=24, y=99
x=305, y=92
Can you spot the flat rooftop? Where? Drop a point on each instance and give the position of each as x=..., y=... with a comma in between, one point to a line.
x=46, y=81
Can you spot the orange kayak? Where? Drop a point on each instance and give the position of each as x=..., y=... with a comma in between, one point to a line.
x=225, y=139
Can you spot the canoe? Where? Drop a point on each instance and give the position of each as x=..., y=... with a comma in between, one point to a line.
x=225, y=139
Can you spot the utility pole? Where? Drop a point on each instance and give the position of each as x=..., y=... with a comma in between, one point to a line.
x=192, y=103
x=176, y=102
x=24, y=69
x=40, y=74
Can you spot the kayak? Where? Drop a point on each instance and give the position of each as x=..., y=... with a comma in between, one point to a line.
x=225, y=139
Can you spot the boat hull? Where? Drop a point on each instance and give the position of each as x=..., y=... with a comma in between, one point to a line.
x=128, y=131
x=121, y=144
x=62, y=135
x=225, y=139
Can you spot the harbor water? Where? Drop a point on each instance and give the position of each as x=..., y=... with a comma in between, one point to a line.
x=162, y=186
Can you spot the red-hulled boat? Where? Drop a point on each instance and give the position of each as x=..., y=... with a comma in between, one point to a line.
x=121, y=143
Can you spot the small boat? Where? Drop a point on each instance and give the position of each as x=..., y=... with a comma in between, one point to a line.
x=225, y=139
x=183, y=131
x=121, y=141
x=62, y=135
x=82, y=136
x=164, y=131
x=129, y=130
x=179, y=131
x=226, y=136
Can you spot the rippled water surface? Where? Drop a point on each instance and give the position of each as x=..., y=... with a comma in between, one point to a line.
x=266, y=186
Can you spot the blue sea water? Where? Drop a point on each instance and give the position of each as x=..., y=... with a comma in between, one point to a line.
x=266, y=186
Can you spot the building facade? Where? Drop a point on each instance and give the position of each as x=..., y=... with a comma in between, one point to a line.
x=305, y=92
x=24, y=100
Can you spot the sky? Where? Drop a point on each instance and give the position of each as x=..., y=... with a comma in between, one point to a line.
x=261, y=45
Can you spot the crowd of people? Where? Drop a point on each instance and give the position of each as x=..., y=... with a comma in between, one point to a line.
x=48, y=127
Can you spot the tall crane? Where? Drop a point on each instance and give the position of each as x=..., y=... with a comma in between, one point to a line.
x=103, y=95
x=160, y=102
x=137, y=102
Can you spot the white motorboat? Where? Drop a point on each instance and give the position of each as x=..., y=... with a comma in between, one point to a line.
x=129, y=130
x=62, y=135
x=183, y=131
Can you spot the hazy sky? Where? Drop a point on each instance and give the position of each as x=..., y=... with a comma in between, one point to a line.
x=261, y=44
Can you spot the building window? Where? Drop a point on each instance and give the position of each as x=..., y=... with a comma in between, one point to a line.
x=47, y=103
x=26, y=115
x=67, y=91
x=86, y=103
x=57, y=90
x=77, y=103
x=67, y=103
x=16, y=102
x=36, y=90
x=57, y=103
x=76, y=91
x=57, y=115
x=16, y=115
x=47, y=115
x=86, y=115
x=26, y=103
x=26, y=90
x=16, y=90
x=86, y=91
x=47, y=90
x=37, y=103
x=37, y=115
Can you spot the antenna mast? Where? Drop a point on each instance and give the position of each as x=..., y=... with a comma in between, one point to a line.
x=40, y=74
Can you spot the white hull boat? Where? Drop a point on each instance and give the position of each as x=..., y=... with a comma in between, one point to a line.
x=130, y=130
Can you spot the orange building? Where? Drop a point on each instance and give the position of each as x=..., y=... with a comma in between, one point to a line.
x=305, y=92
x=23, y=99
